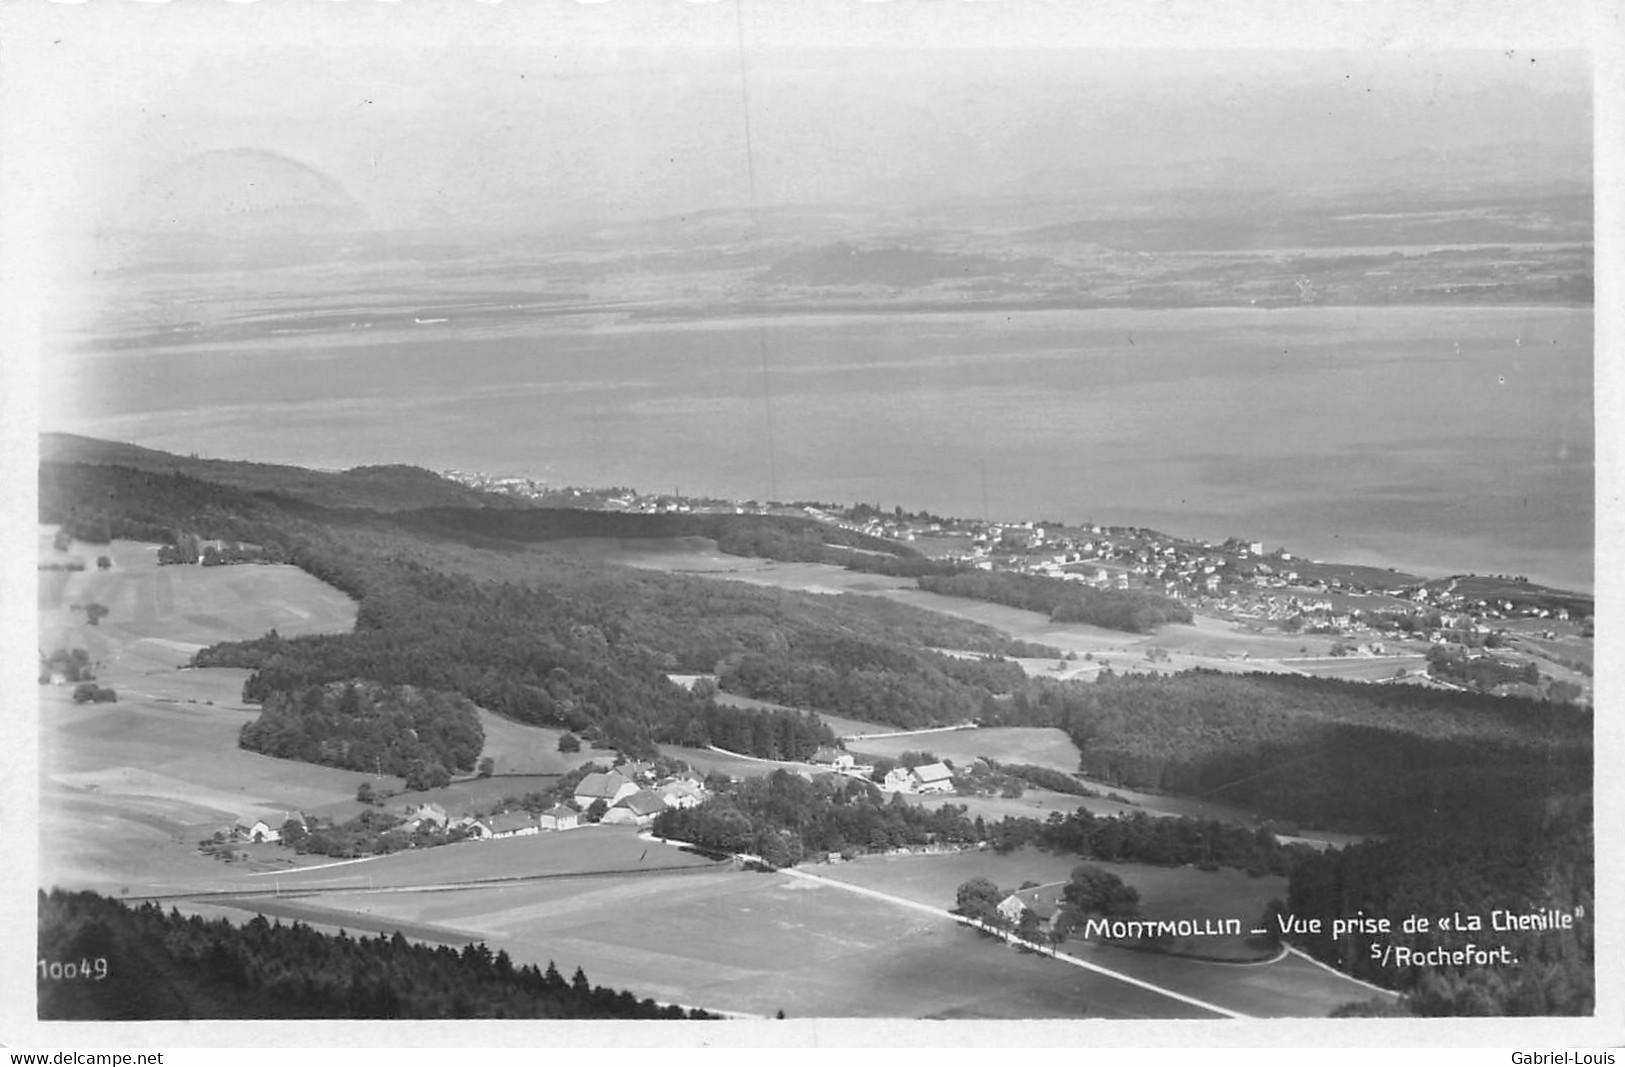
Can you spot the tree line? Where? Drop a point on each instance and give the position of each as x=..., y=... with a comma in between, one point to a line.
x=1317, y=752
x=786, y=819
x=768, y=733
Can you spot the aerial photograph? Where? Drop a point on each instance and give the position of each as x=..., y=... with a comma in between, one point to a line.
x=699, y=515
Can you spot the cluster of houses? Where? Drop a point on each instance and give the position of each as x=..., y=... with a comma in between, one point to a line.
x=1234, y=576
x=926, y=778
x=630, y=795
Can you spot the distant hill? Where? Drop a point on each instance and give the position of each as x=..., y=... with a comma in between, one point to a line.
x=242, y=191
x=385, y=488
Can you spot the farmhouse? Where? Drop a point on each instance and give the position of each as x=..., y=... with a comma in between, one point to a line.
x=682, y=793
x=1042, y=901
x=513, y=824
x=610, y=788
x=559, y=817
x=427, y=814
x=636, y=771
x=260, y=827
x=898, y=780
x=933, y=778
x=476, y=829
x=833, y=757
x=640, y=808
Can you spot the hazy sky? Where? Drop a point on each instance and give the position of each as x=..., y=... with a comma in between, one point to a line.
x=458, y=114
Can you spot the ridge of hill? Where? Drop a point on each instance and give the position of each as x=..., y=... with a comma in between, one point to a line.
x=392, y=487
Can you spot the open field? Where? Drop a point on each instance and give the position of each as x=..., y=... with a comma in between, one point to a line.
x=842, y=726
x=129, y=787
x=703, y=761
x=1044, y=746
x=789, y=945
x=160, y=615
x=516, y=748
x=474, y=795
x=174, y=769
x=357, y=923
x=571, y=852
x=1207, y=642
x=1362, y=668
x=1289, y=987
x=1165, y=892
x=845, y=727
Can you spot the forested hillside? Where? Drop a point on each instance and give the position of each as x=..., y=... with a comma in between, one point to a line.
x=1319, y=752
x=538, y=637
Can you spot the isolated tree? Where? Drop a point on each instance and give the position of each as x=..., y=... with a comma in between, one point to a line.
x=569, y=743
x=422, y=775
x=364, y=793
x=597, y=810
x=294, y=832
x=978, y=898
x=103, y=563
x=1095, y=890
x=487, y=767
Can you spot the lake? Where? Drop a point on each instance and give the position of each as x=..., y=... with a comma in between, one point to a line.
x=1432, y=439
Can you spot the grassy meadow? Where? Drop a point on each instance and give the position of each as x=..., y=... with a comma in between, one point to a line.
x=127, y=788
x=1043, y=746
x=586, y=850
x=762, y=943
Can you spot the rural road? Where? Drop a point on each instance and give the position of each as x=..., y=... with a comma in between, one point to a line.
x=909, y=733
x=787, y=764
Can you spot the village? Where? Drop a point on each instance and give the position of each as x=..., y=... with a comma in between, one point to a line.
x=631, y=793
x=1369, y=611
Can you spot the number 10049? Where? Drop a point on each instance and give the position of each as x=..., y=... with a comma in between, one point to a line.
x=61, y=971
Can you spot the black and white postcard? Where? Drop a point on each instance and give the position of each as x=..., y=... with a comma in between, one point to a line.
x=763, y=523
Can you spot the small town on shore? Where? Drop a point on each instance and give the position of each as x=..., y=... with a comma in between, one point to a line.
x=1236, y=579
